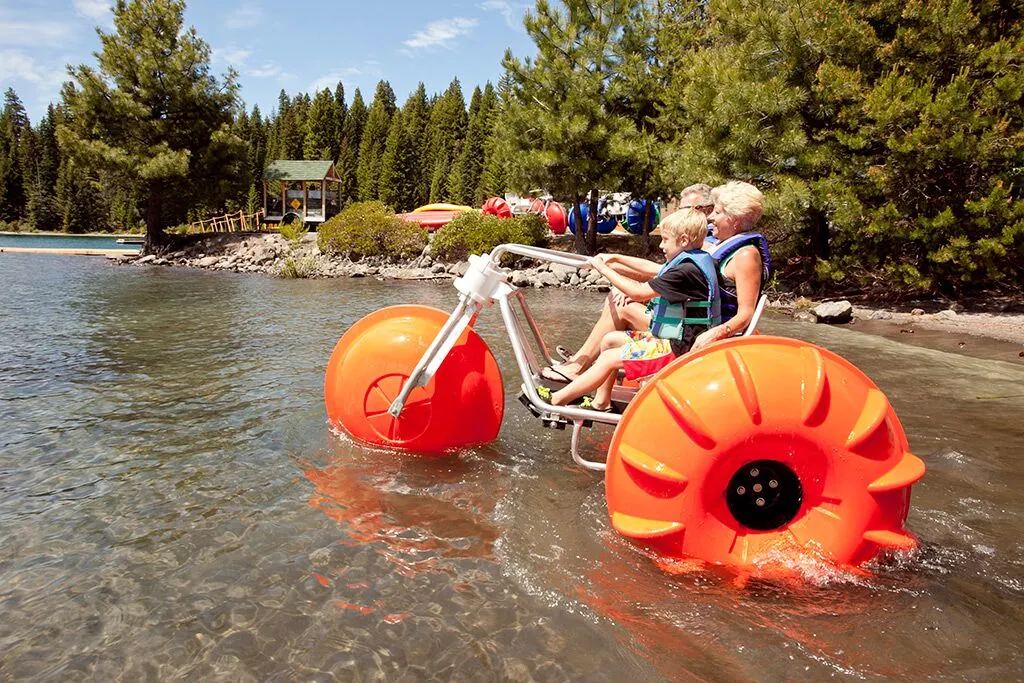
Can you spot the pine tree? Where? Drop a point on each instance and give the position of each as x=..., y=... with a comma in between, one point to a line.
x=42, y=208
x=374, y=140
x=416, y=119
x=499, y=157
x=402, y=180
x=448, y=122
x=890, y=135
x=348, y=156
x=320, y=127
x=466, y=173
x=13, y=125
x=153, y=72
x=562, y=123
x=340, y=112
x=78, y=201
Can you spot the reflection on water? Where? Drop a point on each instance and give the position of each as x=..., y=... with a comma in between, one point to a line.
x=175, y=507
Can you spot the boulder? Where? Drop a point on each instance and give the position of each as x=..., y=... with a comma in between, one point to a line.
x=880, y=315
x=207, y=261
x=148, y=258
x=834, y=312
x=917, y=311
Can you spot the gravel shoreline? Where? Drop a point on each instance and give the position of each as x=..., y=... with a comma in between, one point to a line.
x=270, y=254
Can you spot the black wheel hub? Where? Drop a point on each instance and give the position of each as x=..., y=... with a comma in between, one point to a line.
x=764, y=495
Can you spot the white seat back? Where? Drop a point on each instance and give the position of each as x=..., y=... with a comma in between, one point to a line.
x=754, y=319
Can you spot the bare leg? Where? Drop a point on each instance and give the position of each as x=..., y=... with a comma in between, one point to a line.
x=631, y=316
x=605, y=367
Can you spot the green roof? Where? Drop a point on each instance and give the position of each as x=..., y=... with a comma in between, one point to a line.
x=284, y=169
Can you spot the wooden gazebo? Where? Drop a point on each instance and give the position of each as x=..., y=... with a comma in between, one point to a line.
x=307, y=189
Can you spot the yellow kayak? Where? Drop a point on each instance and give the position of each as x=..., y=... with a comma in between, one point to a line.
x=443, y=207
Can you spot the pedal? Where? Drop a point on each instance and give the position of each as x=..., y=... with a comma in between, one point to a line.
x=549, y=420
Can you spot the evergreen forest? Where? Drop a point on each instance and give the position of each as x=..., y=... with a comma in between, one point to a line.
x=886, y=136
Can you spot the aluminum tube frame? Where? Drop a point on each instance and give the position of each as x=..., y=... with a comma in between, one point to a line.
x=417, y=375
x=518, y=348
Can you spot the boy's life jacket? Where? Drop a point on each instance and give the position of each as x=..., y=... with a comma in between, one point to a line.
x=668, y=320
x=723, y=252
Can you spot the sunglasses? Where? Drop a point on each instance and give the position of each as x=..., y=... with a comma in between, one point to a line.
x=699, y=207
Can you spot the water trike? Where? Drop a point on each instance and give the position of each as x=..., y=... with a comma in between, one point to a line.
x=750, y=447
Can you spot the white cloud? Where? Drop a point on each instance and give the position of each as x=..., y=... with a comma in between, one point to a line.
x=440, y=33
x=268, y=70
x=231, y=56
x=15, y=64
x=33, y=33
x=94, y=9
x=513, y=13
x=244, y=16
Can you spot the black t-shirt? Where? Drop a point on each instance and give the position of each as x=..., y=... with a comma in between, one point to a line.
x=680, y=285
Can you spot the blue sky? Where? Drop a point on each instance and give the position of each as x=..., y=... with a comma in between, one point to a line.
x=297, y=46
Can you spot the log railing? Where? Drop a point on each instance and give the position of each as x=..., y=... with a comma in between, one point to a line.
x=232, y=222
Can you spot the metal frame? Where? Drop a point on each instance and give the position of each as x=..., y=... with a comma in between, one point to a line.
x=486, y=282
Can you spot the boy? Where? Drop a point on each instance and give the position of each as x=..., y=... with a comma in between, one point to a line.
x=684, y=302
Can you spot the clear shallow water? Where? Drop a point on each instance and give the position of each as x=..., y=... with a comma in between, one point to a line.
x=175, y=507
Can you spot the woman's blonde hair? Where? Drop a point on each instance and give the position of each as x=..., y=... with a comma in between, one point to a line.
x=740, y=200
x=686, y=223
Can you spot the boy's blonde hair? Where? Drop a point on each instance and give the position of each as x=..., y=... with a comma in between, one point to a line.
x=740, y=200
x=689, y=224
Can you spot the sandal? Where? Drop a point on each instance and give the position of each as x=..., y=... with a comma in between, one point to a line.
x=549, y=373
x=588, y=403
x=563, y=353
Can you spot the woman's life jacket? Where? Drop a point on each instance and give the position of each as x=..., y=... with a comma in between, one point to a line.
x=668, y=320
x=723, y=252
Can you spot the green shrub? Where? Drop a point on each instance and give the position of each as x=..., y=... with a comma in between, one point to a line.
x=294, y=231
x=298, y=267
x=13, y=226
x=474, y=233
x=371, y=229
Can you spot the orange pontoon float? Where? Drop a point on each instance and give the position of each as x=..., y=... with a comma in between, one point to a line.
x=750, y=447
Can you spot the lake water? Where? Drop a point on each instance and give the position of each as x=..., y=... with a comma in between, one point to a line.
x=49, y=241
x=174, y=507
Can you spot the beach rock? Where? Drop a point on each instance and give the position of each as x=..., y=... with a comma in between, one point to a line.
x=521, y=278
x=833, y=312
x=547, y=279
x=917, y=311
x=207, y=261
x=563, y=272
x=148, y=258
x=437, y=268
x=880, y=315
x=802, y=315
x=948, y=315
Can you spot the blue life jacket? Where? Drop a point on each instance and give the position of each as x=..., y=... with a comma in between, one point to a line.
x=723, y=252
x=669, y=320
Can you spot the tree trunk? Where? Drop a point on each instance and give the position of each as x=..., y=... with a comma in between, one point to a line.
x=818, y=225
x=156, y=240
x=592, y=225
x=645, y=227
x=581, y=228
